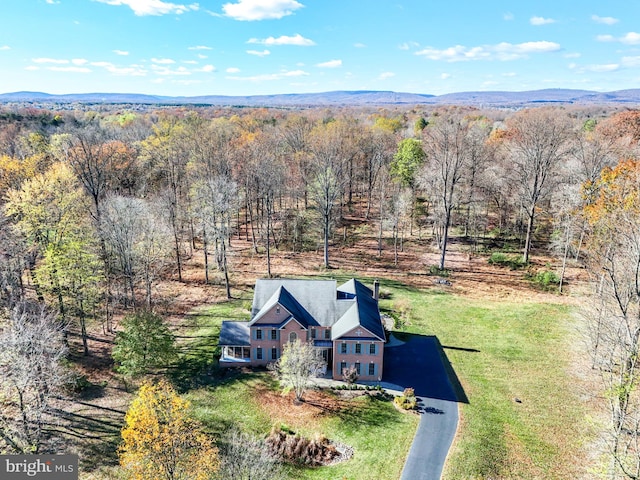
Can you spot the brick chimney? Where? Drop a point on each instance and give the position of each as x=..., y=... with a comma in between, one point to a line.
x=376, y=290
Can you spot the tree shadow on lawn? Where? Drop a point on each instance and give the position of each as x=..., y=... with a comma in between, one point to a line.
x=422, y=364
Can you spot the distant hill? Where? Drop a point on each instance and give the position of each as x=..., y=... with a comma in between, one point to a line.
x=346, y=98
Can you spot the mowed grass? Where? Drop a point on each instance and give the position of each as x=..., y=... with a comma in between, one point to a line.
x=380, y=435
x=523, y=419
x=500, y=351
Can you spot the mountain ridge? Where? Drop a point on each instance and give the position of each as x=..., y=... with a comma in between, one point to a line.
x=343, y=97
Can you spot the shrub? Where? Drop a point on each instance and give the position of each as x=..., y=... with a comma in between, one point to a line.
x=350, y=375
x=514, y=262
x=546, y=279
x=406, y=401
x=440, y=272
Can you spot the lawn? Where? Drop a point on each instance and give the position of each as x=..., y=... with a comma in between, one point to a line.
x=252, y=402
x=523, y=419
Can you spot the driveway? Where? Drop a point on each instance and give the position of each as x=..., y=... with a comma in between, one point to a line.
x=418, y=363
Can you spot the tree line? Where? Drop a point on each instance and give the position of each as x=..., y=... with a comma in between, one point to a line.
x=97, y=207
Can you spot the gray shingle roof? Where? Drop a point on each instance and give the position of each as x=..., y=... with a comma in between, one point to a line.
x=234, y=334
x=316, y=297
x=283, y=297
x=321, y=302
x=364, y=311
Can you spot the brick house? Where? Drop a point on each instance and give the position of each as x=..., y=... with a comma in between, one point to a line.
x=343, y=322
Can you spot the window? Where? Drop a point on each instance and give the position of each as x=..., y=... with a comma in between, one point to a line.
x=313, y=333
x=372, y=369
x=358, y=348
x=274, y=353
x=327, y=334
x=278, y=310
x=358, y=368
x=258, y=334
x=372, y=349
x=274, y=334
x=259, y=353
x=343, y=348
x=293, y=337
x=343, y=367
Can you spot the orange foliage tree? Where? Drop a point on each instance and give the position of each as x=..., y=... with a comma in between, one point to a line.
x=162, y=440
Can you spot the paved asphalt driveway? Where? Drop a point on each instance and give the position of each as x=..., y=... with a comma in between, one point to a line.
x=418, y=363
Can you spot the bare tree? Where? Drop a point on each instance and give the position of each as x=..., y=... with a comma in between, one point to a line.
x=613, y=247
x=329, y=179
x=137, y=239
x=32, y=349
x=245, y=458
x=453, y=145
x=537, y=141
x=299, y=362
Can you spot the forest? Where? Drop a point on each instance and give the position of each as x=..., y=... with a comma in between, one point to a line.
x=99, y=209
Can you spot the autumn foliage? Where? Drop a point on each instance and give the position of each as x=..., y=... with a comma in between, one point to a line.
x=162, y=441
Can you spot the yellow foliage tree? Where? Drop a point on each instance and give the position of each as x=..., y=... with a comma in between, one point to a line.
x=162, y=440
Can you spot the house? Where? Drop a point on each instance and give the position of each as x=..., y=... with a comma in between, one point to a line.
x=343, y=322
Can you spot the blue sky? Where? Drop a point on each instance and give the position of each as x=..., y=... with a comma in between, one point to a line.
x=254, y=47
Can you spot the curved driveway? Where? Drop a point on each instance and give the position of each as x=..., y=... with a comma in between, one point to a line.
x=418, y=363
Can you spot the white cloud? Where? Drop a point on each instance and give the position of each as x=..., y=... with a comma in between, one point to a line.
x=79, y=61
x=50, y=60
x=510, y=74
x=152, y=7
x=503, y=51
x=162, y=70
x=190, y=62
x=232, y=70
x=297, y=39
x=541, y=21
x=51, y=2
x=208, y=69
x=200, y=47
x=5, y=47
x=359, y=45
x=605, y=38
x=508, y=16
x=202, y=57
x=408, y=45
x=32, y=68
x=121, y=52
x=596, y=68
x=604, y=20
x=572, y=55
x=163, y=61
x=131, y=70
x=258, y=53
x=70, y=69
x=272, y=76
x=249, y=10
x=385, y=75
x=445, y=76
x=630, y=38
x=330, y=64
x=631, y=61
x=609, y=67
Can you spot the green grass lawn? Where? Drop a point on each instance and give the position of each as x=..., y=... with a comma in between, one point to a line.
x=499, y=351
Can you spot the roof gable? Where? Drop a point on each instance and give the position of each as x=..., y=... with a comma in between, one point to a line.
x=310, y=301
x=283, y=298
x=364, y=312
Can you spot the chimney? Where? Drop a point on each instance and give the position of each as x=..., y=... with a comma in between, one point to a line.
x=376, y=290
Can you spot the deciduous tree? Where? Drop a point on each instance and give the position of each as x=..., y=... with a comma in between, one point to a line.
x=162, y=441
x=32, y=351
